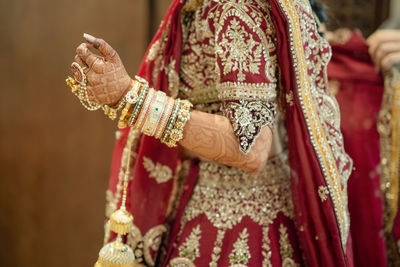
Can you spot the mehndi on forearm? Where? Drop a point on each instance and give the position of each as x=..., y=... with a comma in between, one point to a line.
x=212, y=137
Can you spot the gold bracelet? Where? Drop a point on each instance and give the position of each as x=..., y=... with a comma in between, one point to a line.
x=130, y=97
x=165, y=117
x=80, y=91
x=122, y=123
x=145, y=109
x=175, y=133
x=165, y=138
x=155, y=112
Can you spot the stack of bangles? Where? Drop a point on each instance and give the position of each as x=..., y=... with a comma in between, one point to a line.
x=152, y=112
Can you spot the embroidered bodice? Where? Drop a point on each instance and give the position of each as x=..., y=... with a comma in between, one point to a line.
x=229, y=56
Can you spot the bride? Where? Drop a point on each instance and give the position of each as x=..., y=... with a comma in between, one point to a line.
x=229, y=151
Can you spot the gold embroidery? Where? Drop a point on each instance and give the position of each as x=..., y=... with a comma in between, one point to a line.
x=190, y=249
x=146, y=248
x=286, y=249
x=162, y=173
x=289, y=98
x=247, y=91
x=248, y=118
x=325, y=135
x=173, y=79
x=239, y=51
x=181, y=262
x=389, y=133
x=217, y=248
x=241, y=253
x=266, y=248
x=198, y=72
x=225, y=195
x=323, y=192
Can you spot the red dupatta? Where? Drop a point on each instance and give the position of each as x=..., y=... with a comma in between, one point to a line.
x=321, y=225
x=359, y=93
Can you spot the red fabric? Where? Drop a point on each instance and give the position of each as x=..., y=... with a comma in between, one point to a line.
x=147, y=200
x=360, y=97
x=314, y=218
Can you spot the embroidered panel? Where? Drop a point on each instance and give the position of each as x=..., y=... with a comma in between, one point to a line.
x=248, y=118
x=320, y=109
x=235, y=36
x=226, y=194
x=146, y=248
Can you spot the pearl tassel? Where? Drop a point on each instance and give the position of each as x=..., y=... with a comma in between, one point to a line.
x=116, y=253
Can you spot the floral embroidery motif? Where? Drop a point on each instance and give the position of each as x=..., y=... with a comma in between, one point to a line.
x=266, y=248
x=146, y=247
x=248, y=118
x=289, y=98
x=173, y=79
x=241, y=252
x=286, y=249
x=217, y=248
x=239, y=51
x=162, y=173
x=323, y=192
x=214, y=24
x=190, y=249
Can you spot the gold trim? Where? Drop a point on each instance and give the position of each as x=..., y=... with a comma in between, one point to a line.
x=317, y=135
x=389, y=131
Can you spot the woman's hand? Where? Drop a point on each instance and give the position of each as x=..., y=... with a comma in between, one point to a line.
x=384, y=48
x=107, y=79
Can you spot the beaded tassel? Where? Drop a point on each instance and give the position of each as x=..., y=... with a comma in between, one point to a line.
x=116, y=253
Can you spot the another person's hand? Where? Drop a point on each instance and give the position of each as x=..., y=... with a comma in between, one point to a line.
x=107, y=79
x=384, y=48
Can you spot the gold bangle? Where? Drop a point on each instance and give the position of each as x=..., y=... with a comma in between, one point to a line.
x=175, y=133
x=122, y=123
x=155, y=112
x=165, y=138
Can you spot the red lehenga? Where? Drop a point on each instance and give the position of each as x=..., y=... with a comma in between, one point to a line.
x=244, y=59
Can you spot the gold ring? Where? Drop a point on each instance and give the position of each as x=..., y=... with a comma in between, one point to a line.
x=79, y=75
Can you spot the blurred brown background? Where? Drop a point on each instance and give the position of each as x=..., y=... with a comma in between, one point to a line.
x=55, y=156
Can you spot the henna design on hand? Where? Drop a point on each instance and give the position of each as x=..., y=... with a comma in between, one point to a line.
x=107, y=79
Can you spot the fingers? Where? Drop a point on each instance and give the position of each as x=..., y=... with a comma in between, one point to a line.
x=81, y=63
x=105, y=49
x=380, y=37
x=86, y=55
x=389, y=60
x=385, y=49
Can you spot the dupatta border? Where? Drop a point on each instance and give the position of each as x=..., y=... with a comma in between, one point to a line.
x=317, y=136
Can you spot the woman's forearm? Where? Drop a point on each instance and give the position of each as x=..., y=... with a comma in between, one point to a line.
x=212, y=137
